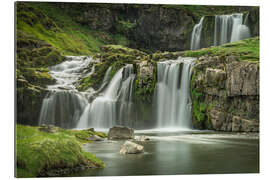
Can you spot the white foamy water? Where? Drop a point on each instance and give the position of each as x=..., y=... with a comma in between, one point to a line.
x=230, y=28
x=64, y=105
x=196, y=36
x=172, y=93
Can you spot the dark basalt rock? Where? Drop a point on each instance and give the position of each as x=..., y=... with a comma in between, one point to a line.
x=120, y=132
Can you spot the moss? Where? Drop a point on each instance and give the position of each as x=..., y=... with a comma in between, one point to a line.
x=49, y=23
x=83, y=135
x=125, y=27
x=199, y=108
x=38, y=151
x=37, y=76
x=145, y=88
x=119, y=49
x=116, y=56
x=247, y=50
x=198, y=10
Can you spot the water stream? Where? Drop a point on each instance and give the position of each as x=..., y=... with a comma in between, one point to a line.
x=172, y=93
x=196, y=36
x=230, y=28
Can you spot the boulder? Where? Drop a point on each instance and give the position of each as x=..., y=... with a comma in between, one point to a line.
x=48, y=128
x=120, y=132
x=131, y=148
x=95, y=138
x=90, y=129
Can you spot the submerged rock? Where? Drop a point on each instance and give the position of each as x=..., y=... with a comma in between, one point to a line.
x=95, y=138
x=143, y=138
x=131, y=148
x=120, y=132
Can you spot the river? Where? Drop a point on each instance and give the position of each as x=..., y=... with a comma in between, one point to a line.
x=170, y=153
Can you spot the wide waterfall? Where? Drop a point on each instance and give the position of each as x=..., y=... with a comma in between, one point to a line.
x=114, y=106
x=230, y=28
x=172, y=96
x=196, y=36
x=63, y=105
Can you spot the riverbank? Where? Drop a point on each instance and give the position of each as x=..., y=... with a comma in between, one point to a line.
x=52, y=151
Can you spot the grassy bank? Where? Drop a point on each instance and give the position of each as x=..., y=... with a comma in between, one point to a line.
x=49, y=23
x=247, y=49
x=38, y=151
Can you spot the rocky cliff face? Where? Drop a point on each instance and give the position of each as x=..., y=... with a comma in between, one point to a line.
x=225, y=94
x=150, y=27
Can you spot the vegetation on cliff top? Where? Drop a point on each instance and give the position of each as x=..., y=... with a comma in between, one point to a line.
x=115, y=56
x=48, y=22
x=199, y=10
x=247, y=49
x=38, y=151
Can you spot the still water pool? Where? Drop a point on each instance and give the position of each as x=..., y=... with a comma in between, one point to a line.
x=179, y=153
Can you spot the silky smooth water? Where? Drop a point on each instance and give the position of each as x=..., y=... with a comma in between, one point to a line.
x=172, y=96
x=178, y=153
x=64, y=105
x=196, y=35
x=230, y=28
x=114, y=105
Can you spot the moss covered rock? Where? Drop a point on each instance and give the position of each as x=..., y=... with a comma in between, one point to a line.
x=40, y=153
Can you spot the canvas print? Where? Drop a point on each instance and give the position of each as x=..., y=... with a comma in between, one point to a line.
x=136, y=89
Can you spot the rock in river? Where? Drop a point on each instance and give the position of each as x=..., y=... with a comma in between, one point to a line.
x=143, y=138
x=95, y=138
x=131, y=148
x=120, y=132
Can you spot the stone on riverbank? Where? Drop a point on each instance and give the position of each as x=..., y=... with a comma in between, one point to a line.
x=95, y=138
x=120, y=132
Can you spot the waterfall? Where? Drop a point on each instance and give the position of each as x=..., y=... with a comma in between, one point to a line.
x=106, y=77
x=196, y=36
x=172, y=97
x=230, y=28
x=115, y=106
x=64, y=105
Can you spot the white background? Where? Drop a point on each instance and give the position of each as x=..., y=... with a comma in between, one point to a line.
x=7, y=89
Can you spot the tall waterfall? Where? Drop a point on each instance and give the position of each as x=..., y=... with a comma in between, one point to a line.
x=115, y=106
x=173, y=103
x=230, y=28
x=196, y=36
x=63, y=105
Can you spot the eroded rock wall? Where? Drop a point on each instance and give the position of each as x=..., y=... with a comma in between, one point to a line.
x=225, y=94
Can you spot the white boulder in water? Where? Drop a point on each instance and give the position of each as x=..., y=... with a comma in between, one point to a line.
x=131, y=148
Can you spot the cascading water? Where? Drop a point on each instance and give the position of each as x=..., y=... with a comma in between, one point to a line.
x=172, y=97
x=114, y=106
x=63, y=105
x=196, y=36
x=230, y=28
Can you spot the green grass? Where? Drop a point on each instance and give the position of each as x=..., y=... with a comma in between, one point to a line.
x=67, y=36
x=37, y=150
x=199, y=10
x=247, y=49
x=57, y=28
